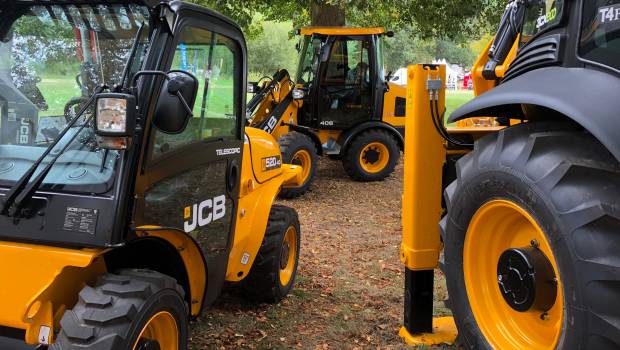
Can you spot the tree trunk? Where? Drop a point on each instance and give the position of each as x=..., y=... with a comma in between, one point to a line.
x=326, y=14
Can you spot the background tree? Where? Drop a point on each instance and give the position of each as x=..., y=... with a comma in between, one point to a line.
x=425, y=29
x=432, y=18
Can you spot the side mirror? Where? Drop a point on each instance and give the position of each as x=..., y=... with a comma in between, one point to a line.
x=176, y=102
x=115, y=120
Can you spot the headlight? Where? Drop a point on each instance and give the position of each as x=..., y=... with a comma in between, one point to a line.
x=298, y=94
x=115, y=115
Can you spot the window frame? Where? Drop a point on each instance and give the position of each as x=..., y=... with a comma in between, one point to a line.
x=582, y=59
x=561, y=19
x=189, y=18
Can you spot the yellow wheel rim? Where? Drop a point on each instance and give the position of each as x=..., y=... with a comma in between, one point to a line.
x=374, y=157
x=497, y=226
x=288, y=256
x=304, y=160
x=162, y=328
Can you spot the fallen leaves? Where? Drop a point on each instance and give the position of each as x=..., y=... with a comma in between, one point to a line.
x=349, y=289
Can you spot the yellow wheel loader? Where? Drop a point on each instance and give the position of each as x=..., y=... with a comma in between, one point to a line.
x=529, y=222
x=340, y=105
x=126, y=208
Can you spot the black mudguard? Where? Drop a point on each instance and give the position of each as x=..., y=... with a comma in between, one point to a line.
x=348, y=136
x=587, y=96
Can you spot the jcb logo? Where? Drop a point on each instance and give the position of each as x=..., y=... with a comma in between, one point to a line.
x=271, y=124
x=203, y=213
x=24, y=131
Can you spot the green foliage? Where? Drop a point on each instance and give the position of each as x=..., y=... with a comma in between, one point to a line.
x=454, y=19
x=272, y=50
x=405, y=48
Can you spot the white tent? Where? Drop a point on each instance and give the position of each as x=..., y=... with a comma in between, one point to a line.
x=452, y=76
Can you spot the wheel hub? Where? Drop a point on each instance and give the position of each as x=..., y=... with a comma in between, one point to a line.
x=371, y=156
x=526, y=279
x=285, y=254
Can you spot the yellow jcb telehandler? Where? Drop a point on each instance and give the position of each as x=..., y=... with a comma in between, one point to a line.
x=341, y=105
x=125, y=209
x=530, y=220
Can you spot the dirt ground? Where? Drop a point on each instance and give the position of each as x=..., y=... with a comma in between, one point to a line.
x=349, y=288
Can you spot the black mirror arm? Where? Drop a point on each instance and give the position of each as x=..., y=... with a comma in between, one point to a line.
x=185, y=105
x=141, y=73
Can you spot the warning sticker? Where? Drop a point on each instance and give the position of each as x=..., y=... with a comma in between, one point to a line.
x=81, y=220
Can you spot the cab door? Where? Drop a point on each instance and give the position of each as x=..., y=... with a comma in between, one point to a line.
x=193, y=177
x=345, y=83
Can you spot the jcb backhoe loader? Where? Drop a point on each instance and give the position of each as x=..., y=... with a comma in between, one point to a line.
x=340, y=105
x=122, y=224
x=529, y=224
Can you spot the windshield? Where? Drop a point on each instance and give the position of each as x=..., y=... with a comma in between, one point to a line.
x=51, y=60
x=308, y=61
x=540, y=15
x=600, y=32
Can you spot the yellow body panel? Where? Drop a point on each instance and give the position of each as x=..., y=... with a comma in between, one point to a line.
x=40, y=282
x=482, y=85
x=192, y=259
x=279, y=93
x=424, y=158
x=325, y=135
x=341, y=31
x=255, y=200
x=260, y=146
x=444, y=332
x=389, y=103
x=289, y=117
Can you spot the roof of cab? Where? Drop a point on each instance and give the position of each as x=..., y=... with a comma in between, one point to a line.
x=341, y=31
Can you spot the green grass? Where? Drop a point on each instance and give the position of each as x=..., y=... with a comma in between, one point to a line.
x=57, y=90
x=455, y=99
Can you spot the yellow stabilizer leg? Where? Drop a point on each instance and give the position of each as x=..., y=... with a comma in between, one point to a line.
x=444, y=332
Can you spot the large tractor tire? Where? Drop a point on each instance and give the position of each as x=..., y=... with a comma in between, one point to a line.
x=273, y=274
x=532, y=241
x=298, y=149
x=129, y=310
x=371, y=156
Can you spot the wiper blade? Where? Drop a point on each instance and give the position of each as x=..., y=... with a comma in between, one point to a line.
x=134, y=49
x=15, y=197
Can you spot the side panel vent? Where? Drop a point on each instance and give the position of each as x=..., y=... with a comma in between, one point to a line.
x=539, y=53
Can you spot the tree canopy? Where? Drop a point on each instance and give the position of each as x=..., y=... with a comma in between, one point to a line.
x=453, y=19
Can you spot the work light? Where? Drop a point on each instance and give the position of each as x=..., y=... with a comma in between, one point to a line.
x=114, y=115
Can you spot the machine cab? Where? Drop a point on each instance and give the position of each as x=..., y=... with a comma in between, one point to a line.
x=341, y=71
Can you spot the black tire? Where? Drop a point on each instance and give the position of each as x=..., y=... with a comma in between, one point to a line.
x=263, y=283
x=291, y=144
x=570, y=184
x=351, y=160
x=112, y=314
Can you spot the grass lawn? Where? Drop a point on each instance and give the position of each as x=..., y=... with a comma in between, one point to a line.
x=58, y=89
x=455, y=99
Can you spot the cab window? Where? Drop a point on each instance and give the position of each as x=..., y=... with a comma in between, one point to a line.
x=600, y=32
x=348, y=63
x=211, y=58
x=539, y=16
